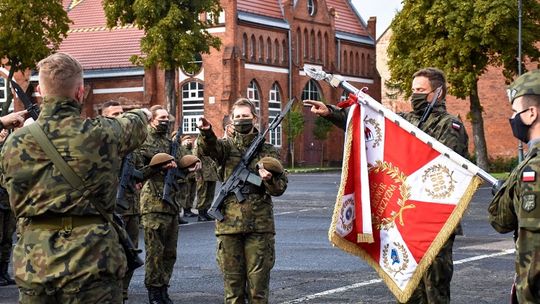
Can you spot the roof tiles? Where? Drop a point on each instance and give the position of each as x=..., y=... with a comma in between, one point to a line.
x=269, y=8
x=346, y=18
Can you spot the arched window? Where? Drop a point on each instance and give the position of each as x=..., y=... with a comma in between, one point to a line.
x=261, y=49
x=298, y=45
x=244, y=45
x=268, y=50
x=253, y=94
x=363, y=73
x=312, y=46
x=253, y=47
x=325, y=49
x=192, y=105
x=356, y=64
x=311, y=91
x=351, y=62
x=276, y=51
x=369, y=66
x=319, y=49
x=345, y=67
x=274, y=108
x=306, y=43
x=285, y=54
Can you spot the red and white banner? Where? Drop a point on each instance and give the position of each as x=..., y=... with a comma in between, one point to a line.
x=399, y=198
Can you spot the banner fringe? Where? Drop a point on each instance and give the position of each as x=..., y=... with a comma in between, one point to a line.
x=364, y=238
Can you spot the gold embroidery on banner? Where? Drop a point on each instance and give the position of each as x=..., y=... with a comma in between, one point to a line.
x=382, y=193
x=402, y=265
x=441, y=180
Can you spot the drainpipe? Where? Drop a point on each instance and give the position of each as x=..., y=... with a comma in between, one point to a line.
x=289, y=34
x=339, y=55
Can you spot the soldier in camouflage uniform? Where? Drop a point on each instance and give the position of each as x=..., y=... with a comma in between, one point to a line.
x=245, y=238
x=516, y=205
x=129, y=207
x=206, y=185
x=447, y=129
x=188, y=185
x=67, y=251
x=7, y=228
x=159, y=218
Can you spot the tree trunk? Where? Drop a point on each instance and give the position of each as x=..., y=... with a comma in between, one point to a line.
x=292, y=155
x=170, y=94
x=477, y=121
x=322, y=153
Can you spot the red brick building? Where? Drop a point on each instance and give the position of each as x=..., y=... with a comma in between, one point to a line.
x=264, y=47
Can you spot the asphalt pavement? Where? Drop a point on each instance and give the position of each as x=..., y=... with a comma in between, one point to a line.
x=309, y=269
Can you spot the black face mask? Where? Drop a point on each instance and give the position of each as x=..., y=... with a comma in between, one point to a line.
x=243, y=126
x=519, y=129
x=162, y=127
x=419, y=102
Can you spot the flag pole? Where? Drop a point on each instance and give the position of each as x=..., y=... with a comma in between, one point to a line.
x=337, y=81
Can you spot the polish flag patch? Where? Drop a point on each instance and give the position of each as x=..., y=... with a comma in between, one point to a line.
x=456, y=126
x=528, y=176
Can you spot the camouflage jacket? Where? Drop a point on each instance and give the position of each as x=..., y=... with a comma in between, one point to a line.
x=209, y=172
x=152, y=190
x=131, y=194
x=255, y=214
x=92, y=147
x=516, y=207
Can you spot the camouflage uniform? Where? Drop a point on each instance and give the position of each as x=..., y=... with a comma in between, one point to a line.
x=515, y=206
x=245, y=238
x=188, y=185
x=131, y=217
x=206, y=183
x=159, y=219
x=7, y=228
x=449, y=130
x=67, y=252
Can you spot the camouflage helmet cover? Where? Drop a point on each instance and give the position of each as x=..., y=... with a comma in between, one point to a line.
x=526, y=84
x=160, y=158
x=270, y=164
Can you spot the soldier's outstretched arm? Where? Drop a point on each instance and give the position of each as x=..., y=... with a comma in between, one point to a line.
x=208, y=144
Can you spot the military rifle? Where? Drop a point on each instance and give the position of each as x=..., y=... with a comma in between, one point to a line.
x=174, y=173
x=128, y=176
x=428, y=110
x=29, y=106
x=241, y=175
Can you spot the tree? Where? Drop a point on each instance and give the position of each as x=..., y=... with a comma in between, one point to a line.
x=321, y=131
x=174, y=33
x=462, y=38
x=29, y=31
x=294, y=125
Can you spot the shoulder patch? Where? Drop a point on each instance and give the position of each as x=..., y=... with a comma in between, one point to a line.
x=528, y=175
x=456, y=125
x=528, y=202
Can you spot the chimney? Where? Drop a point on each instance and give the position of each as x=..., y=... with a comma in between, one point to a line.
x=372, y=27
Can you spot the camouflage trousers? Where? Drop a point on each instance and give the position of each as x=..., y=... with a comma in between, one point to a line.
x=132, y=228
x=83, y=264
x=160, y=241
x=434, y=288
x=186, y=195
x=245, y=261
x=7, y=228
x=205, y=194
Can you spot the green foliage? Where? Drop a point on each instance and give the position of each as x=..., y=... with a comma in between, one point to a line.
x=322, y=128
x=294, y=123
x=174, y=31
x=462, y=38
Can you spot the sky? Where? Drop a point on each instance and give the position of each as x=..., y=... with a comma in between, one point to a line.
x=384, y=10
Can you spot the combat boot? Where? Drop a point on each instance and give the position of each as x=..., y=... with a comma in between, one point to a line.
x=182, y=221
x=203, y=216
x=165, y=295
x=4, y=274
x=154, y=296
x=188, y=213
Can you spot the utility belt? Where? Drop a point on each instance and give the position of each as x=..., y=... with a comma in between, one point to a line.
x=64, y=222
x=252, y=189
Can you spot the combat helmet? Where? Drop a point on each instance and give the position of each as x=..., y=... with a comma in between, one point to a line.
x=526, y=84
x=160, y=159
x=271, y=164
x=188, y=161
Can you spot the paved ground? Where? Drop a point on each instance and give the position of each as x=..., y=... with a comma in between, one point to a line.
x=309, y=270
